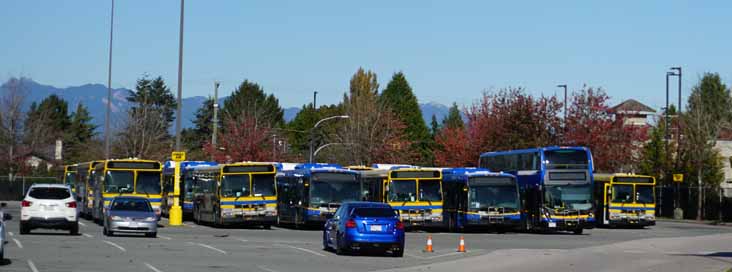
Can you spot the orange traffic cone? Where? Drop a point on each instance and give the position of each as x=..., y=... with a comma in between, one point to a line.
x=461, y=246
x=428, y=247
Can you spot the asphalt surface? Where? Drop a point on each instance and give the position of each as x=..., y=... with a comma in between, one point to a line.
x=668, y=247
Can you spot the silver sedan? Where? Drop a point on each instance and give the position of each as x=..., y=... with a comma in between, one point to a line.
x=128, y=214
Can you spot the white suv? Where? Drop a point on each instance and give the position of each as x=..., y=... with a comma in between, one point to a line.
x=50, y=206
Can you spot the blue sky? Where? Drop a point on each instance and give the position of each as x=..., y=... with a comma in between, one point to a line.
x=449, y=50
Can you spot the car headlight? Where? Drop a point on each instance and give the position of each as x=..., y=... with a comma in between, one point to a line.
x=150, y=219
x=115, y=218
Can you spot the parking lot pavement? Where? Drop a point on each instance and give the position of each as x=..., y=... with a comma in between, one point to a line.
x=201, y=248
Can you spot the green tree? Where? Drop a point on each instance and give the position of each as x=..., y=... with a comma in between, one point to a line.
x=79, y=136
x=434, y=126
x=398, y=97
x=46, y=123
x=654, y=161
x=249, y=100
x=454, y=119
x=154, y=93
x=298, y=130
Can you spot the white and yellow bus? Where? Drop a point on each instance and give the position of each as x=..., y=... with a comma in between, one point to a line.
x=126, y=177
x=625, y=200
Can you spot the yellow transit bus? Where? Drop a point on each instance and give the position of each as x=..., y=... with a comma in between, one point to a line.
x=625, y=200
x=85, y=187
x=70, y=176
x=237, y=193
x=415, y=192
x=126, y=177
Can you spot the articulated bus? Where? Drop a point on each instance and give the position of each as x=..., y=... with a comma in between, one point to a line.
x=186, y=186
x=70, y=177
x=311, y=193
x=126, y=177
x=415, y=192
x=237, y=193
x=476, y=198
x=625, y=200
x=556, y=185
x=85, y=187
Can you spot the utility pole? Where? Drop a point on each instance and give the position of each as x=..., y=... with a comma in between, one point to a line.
x=109, y=88
x=315, y=99
x=215, y=116
x=677, y=197
x=175, y=215
x=180, y=79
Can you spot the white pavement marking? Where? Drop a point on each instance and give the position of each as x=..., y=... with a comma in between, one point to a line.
x=115, y=245
x=165, y=237
x=32, y=266
x=266, y=269
x=242, y=240
x=87, y=235
x=152, y=267
x=207, y=246
x=18, y=243
x=11, y=233
x=303, y=249
x=82, y=224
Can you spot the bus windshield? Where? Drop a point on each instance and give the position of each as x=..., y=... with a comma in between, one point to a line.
x=566, y=159
x=148, y=183
x=325, y=191
x=429, y=190
x=482, y=197
x=263, y=185
x=644, y=194
x=403, y=190
x=568, y=197
x=622, y=193
x=70, y=179
x=235, y=186
x=119, y=181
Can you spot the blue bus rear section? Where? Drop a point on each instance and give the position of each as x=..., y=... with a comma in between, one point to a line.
x=555, y=185
x=478, y=199
x=185, y=197
x=310, y=193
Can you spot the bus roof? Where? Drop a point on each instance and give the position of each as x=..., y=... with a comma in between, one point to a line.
x=169, y=166
x=456, y=174
x=607, y=177
x=391, y=166
x=529, y=150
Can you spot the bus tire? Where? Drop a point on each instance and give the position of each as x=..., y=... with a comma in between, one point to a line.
x=450, y=224
x=267, y=227
x=578, y=231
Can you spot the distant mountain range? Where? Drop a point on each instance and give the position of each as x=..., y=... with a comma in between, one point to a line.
x=94, y=97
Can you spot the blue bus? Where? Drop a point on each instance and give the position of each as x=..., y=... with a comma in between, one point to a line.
x=555, y=183
x=476, y=198
x=186, y=185
x=310, y=193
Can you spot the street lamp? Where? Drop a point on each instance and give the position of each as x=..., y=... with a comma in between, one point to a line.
x=109, y=88
x=312, y=131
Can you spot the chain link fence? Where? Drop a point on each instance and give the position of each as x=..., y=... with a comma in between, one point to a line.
x=15, y=190
x=715, y=206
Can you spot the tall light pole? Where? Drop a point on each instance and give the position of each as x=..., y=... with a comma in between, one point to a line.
x=677, y=73
x=180, y=79
x=312, y=131
x=315, y=99
x=109, y=87
x=215, y=115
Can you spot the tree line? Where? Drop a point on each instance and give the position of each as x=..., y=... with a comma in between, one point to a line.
x=384, y=125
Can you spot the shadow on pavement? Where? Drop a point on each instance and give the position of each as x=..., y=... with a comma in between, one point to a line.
x=5, y=262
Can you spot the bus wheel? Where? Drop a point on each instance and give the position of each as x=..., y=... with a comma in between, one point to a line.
x=450, y=224
x=578, y=231
x=267, y=227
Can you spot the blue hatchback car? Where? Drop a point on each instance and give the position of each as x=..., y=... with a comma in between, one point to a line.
x=357, y=226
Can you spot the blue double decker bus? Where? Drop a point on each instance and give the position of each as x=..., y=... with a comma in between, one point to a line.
x=556, y=185
x=476, y=198
x=186, y=185
x=310, y=193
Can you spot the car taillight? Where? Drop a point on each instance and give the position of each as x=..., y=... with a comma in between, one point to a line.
x=399, y=225
x=71, y=204
x=25, y=203
x=350, y=224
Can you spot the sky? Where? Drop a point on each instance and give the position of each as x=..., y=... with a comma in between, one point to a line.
x=450, y=51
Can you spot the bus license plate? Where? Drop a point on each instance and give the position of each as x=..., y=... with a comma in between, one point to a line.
x=552, y=224
x=375, y=228
x=133, y=224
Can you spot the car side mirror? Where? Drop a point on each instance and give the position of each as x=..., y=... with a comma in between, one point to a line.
x=7, y=216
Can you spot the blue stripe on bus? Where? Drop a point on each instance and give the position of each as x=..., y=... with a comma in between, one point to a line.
x=631, y=208
x=149, y=199
x=188, y=206
x=476, y=217
x=254, y=202
x=416, y=207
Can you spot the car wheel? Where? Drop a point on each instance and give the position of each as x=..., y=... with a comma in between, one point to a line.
x=325, y=241
x=74, y=230
x=152, y=234
x=24, y=229
x=578, y=231
x=340, y=249
x=398, y=253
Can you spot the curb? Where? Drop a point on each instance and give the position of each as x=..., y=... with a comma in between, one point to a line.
x=695, y=222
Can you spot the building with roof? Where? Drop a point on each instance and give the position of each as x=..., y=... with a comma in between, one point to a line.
x=634, y=113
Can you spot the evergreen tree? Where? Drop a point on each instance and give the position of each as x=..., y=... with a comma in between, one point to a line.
x=46, y=123
x=434, y=126
x=79, y=136
x=453, y=119
x=298, y=130
x=654, y=161
x=399, y=98
x=194, y=138
x=156, y=94
x=249, y=100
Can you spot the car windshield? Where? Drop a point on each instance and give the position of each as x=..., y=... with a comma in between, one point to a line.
x=403, y=190
x=622, y=194
x=119, y=181
x=235, y=186
x=568, y=197
x=429, y=190
x=129, y=204
x=374, y=212
x=483, y=197
x=333, y=191
x=566, y=159
x=644, y=194
x=49, y=193
x=263, y=184
x=148, y=183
